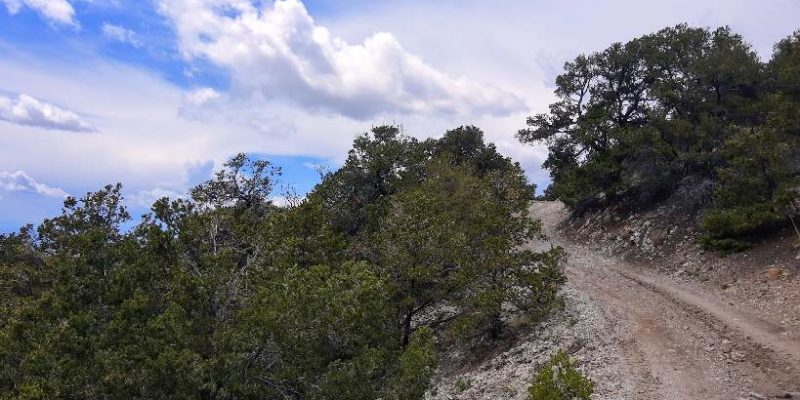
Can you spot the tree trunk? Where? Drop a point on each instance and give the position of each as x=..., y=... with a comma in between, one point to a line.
x=407, y=327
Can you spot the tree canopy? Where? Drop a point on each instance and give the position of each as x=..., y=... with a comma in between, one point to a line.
x=682, y=106
x=223, y=295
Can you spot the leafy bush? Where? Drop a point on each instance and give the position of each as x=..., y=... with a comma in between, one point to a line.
x=729, y=230
x=754, y=190
x=559, y=380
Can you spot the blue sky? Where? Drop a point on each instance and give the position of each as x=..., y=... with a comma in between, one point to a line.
x=158, y=93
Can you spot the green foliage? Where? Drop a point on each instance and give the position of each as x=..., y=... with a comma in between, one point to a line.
x=463, y=384
x=560, y=381
x=415, y=367
x=638, y=120
x=22, y=272
x=319, y=332
x=380, y=164
x=453, y=246
x=753, y=191
x=224, y=295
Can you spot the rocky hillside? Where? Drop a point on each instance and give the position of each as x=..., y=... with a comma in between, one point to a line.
x=649, y=315
x=665, y=239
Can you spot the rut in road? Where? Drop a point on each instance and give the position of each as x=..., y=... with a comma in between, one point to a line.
x=677, y=342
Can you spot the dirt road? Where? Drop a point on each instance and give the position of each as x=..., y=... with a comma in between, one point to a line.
x=676, y=341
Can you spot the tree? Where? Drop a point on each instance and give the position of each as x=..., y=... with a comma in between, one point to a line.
x=24, y=275
x=50, y=343
x=379, y=165
x=638, y=121
x=321, y=332
x=758, y=173
x=456, y=255
x=223, y=295
x=754, y=190
x=639, y=116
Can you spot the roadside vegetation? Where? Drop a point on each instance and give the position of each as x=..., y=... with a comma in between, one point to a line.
x=559, y=380
x=344, y=294
x=684, y=106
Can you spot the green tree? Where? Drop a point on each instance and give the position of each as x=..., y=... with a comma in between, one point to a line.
x=318, y=332
x=223, y=295
x=23, y=271
x=754, y=190
x=680, y=107
x=637, y=117
x=759, y=176
x=50, y=343
x=380, y=164
x=456, y=255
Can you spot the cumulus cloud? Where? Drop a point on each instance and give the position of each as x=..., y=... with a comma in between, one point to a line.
x=26, y=110
x=201, y=96
x=58, y=11
x=20, y=181
x=146, y=198
x=277, y=51
x=121, y=34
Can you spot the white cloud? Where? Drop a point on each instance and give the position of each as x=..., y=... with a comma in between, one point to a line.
x=20, y=181
x=58, y=11
x=279, y=52
x=146, y=198
x=280, y=201
x=147, y=141
x=287, y=199
x=26, y=110
x=320, y=168
x=201, y=96
x=121, y=34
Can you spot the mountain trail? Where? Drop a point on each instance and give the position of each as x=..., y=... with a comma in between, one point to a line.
x=677, y=342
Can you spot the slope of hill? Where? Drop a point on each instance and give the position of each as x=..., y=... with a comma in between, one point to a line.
x=763, y=278
x=642, y=333
x=687, y=337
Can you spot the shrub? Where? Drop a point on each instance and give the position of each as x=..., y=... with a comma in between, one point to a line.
x=560, y=381
x=729, y=229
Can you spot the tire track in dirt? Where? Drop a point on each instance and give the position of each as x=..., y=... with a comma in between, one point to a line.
x=677, y=343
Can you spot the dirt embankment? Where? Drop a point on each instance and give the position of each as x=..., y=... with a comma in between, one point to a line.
x=687, y=335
